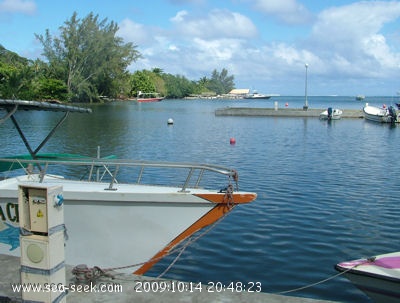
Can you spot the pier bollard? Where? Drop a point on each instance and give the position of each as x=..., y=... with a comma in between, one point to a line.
x=42, y=243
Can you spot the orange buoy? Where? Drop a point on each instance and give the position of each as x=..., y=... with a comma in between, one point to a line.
x=232, y=141
x=286, y=104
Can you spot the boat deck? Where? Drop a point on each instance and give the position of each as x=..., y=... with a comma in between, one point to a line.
x=129, y=284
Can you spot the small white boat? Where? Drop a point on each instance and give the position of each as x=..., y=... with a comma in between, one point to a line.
x=383, y=115
x=148, y=97
x=360, y=97
x=256, y=95
x=378, y=277
x=331, y=114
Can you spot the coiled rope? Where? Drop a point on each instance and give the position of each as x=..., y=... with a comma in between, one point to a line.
x=84, y=274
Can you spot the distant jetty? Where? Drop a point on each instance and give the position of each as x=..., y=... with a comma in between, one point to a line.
x=282, y=112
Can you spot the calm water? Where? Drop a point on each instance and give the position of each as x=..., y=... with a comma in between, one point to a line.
x=327, y=192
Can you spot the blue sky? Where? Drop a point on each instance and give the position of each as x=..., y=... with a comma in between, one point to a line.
x=351, y=47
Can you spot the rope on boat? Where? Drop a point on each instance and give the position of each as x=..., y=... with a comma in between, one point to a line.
x=190, y=241
x=228, y=198
x=84, y=274
x=235, y=178
x=176, y=258
x=327, y=279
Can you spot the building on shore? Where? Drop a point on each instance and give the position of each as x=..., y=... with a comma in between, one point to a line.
x=239, y=93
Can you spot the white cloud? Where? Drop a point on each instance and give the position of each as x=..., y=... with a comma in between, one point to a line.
x=18, y=6
x=289, y=11
x=376, y=47
x=133, y=32
x=353, y=33
x=179, y=17
x=288, y=54
x=355, y=21
x=173, y=47
x=213, y=51
x=195, y=45
x=218, y=23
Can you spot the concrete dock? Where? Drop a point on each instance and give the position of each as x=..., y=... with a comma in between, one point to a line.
x=282, y=112
x=131, y=288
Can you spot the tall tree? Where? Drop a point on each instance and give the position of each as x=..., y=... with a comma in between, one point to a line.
x=221, y=83
x=88, y=57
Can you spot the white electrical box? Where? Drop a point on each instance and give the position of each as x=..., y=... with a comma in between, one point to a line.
x=43, y=252
x=40, y=208
x=52, y=285
x=42, y=242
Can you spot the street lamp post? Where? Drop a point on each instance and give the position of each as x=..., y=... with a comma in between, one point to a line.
x=305, y=107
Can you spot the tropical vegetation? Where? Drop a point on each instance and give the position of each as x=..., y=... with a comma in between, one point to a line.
x=88, y=62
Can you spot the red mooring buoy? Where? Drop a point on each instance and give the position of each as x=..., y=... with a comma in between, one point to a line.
x=232, y=141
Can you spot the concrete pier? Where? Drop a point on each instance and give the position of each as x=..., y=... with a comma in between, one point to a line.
x=282, y=112
x=132, y=288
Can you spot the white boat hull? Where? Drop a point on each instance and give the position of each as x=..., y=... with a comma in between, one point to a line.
x=256, y=95
x=380, y=115
x=116, y=228
x=336, y=115
x=378, y=277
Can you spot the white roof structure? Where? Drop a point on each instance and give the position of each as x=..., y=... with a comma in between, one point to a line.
x=239, y=91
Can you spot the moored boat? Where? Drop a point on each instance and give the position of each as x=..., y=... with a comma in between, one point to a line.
x=148, y=97
x=256, y=95
x=120, y=213
x=382, y=115
x=378, y=276
x=331, y=114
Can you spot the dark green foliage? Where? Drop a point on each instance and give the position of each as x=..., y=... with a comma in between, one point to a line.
x=141, y=81
x=88, y=57
x=51, y=89
x=178, y=86
x=16, y=74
